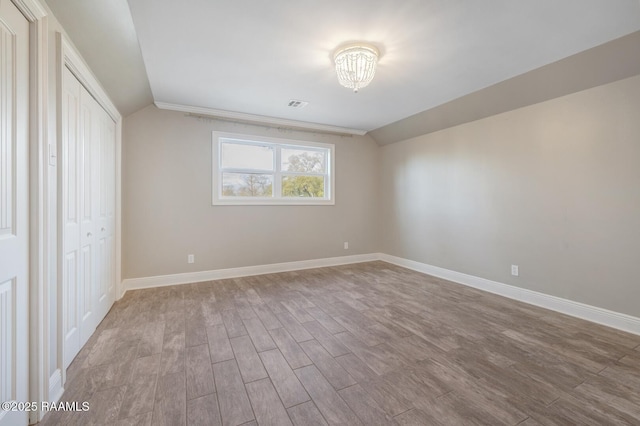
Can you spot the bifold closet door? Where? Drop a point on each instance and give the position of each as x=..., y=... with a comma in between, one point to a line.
x=87, y=197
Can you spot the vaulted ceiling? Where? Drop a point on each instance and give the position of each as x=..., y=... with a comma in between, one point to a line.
x=252, y=57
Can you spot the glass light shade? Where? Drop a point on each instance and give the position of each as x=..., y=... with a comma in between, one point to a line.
x=356, y=65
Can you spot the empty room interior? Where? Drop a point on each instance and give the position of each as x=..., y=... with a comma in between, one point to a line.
x=315, y=213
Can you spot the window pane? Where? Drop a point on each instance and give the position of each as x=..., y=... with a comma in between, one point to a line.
x=303, y=186
x=239, y=156
x=300, y=160
x=247, y=185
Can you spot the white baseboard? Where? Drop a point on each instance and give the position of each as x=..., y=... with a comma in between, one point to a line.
x=219, y=274
x=612, y=319
x=55, y=386
x=580, y=310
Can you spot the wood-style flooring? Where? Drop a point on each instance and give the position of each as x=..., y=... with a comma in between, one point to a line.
x=370, y=343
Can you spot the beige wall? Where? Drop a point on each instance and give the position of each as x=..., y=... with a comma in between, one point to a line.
x=167, y=211
x=553, y=187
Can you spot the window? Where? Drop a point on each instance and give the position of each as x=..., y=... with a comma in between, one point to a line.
x=258, y=170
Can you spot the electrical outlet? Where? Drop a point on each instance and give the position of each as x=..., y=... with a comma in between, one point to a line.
x=514, y=270
x=346, y=245
x=191, y=258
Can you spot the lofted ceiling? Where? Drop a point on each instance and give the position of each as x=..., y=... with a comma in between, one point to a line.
x=253, y=57
x=104, y=34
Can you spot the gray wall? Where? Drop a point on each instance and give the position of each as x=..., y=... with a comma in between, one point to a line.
x=167, y=211
x=553, y=187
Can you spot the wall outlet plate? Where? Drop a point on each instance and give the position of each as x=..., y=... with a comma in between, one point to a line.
x=515, y=270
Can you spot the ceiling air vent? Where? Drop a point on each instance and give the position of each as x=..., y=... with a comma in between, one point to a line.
x=297, y=104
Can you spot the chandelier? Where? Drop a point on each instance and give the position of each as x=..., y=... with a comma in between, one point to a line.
x=356, y=65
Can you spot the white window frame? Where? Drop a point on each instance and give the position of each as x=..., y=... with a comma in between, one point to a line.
x=218, y=199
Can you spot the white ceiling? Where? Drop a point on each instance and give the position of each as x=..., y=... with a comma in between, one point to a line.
x=254, y=56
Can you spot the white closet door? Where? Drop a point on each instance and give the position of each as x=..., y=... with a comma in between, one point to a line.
x=70, y=203
x=14, y=213
x=87, y=200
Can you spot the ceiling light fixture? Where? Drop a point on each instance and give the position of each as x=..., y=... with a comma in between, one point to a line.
x=356, y=65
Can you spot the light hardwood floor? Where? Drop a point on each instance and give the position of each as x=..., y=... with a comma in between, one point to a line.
x=370, y=344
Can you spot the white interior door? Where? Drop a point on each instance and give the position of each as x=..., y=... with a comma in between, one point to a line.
x=14, y=214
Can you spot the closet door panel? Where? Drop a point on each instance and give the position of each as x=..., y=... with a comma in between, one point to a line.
x=105, y=216
x=89, y=159
x=70, y=214
x=110, y=174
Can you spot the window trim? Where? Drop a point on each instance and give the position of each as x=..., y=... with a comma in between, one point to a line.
x=278, y=143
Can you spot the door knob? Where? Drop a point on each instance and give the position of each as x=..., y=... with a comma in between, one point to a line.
x=89, y=234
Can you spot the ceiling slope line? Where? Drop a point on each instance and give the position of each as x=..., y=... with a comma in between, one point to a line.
x=260, y=119
x=612, y=61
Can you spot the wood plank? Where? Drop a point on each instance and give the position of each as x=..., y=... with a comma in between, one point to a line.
x=144, y=419
x=379, y=358
x=233, y=323
x=283, y=378
x=413, y=417
x=267, y=317
x=356, y=368
x=245, y=310
x=172, y=360
x=248, y=360
x=117, y=373
x=329, y=367
x=296, y=310
x=297, y=331
x=151, y=341
x=170, y=407
x=330, y=343
x=140, y=394
x=199, y=372
x=332, y=407
x=103, y=349
x=211, y=314
x=104, y=406
x=387, y=396
x=570, y=410
x=266, y=404
x=259, y=335
x=196, y=332
x=291, y=351
x=306, y=414
x=235, y=407
x=365, y=407
x=325, y=320
x=219, y=345
x=204, y=411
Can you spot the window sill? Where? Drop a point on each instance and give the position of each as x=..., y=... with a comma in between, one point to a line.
x=273, y=203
